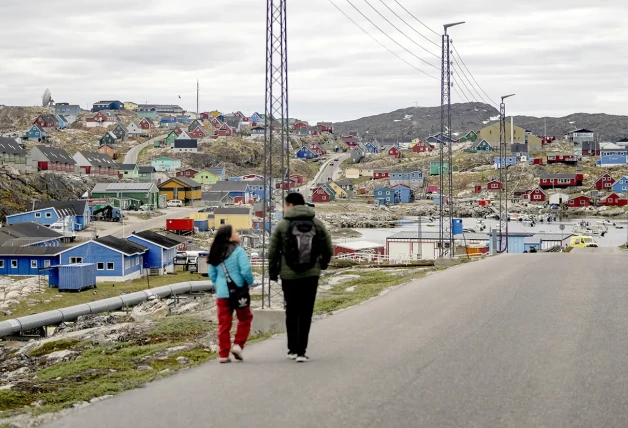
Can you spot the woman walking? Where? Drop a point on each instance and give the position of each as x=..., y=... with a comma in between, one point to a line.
x=228, y=262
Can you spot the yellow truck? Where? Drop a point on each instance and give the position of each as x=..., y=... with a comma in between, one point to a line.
x=582, y=241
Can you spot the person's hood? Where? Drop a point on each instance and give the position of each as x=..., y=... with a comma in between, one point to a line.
x=229, y=249
x=300, y=211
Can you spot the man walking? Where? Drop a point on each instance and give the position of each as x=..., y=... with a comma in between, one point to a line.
x=299, y=249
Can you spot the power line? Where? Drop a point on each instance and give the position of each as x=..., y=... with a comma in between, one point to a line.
x=420, y=22
x=411, y=27
x=463, y=82
x=397, y=28
x=386, y=34
x=381, y=44
x=470, y=74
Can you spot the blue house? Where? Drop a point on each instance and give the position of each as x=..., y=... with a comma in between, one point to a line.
x=116, y=259
x=516, y=242
x=234, y=179
x=508, y=161
x=45, y=217
x=255, y=118
x=161, y=250
x=183, y=119
x=219, y=171
x=166, y=120
x=409, y=178
x=612, y=155
x=305, y=153
x=78, y=208
x=63, y=123
x=621, y=185
x=27, y=261
x=29, y=235
x=370, y=147
x=36, y=131
x=386, y=196
x=66, y=108
x=438, y=138
x=107, y=105
x=256, y=188
x=403, y=193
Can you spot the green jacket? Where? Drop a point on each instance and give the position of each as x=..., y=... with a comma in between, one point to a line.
x=277, y=262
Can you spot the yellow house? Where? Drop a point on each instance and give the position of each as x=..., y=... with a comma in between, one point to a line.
x=181, y=188
x=238, y=218
x=128, y=105
x=215, y=113
x=491, y=134
x=340, y=192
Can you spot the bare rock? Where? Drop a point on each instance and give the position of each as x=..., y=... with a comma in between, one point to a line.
x=101, y=398
x=144, y=368
x=150, y=310
x=182, y=360
x=57, y=356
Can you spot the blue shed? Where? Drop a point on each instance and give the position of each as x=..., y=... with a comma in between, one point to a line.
x=61, y=121
x=370, y=147
x=508, y=161
x=305, y=153
x=516, y=242
x=201, y=225
x=27, y=261
x=456, y=226
x=75, y=277
x=161, y=249
x=116, y=259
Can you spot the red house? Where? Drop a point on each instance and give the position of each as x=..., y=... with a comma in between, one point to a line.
x=395, y=153
x=205, y=116
x=549, y=181
x=300, y=179
x=421, y=147
x=477, y=189
x=317, y=149
x=520, y=193
x=605, y=182
x=320, y=195
x=568, y=158
x=223, y=130
x=380, y=174
x=190, y=172
x=537, y=195
x=198, y=133
x=579, y=202
x=613, y=200
x=484, y=202
x=146, y=124
x=178, y=130
x=301, y=127
x=46, y=121
x=494, y=186
x=325, y=127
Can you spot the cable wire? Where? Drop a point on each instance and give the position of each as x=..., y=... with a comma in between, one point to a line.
x=387, y=35
x=397, y=28
x=470, y=74
x=420, y=22
x=411, y=27
x=381, y=44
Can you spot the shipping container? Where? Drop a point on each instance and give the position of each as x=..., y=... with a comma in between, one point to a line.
x=180, y=224
x=201, y=216
x=201, y=225
x=74, y=277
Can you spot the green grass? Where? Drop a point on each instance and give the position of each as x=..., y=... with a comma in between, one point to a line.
x=568, y=250
x=59, y=345
x=11, y=399
x=104, y=290
x=179, y=328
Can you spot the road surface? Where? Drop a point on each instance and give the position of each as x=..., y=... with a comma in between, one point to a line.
x=512, y=341
x=152, y=223
x=133, y=153
x=325, y=173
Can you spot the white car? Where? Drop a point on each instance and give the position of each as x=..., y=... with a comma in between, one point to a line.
x=175, y=203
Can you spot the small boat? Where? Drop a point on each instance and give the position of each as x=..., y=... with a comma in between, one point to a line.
x=606, y=223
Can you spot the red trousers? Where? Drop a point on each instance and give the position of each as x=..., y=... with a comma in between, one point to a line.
x=225, y=320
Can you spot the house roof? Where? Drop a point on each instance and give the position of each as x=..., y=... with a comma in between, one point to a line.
x=230, y=186
x=146, y=169
x=580, y=130
x=10, y=146
x=610, y=146
x=156, y=238
x=76, y=207
x=56, y=155
x=344, y=183
x=185, y=181
x=127, y=167
x=66, y=106
x=232, y=211
x=360, y=245
x=111, y=134
x=233, y=121
x=99, y=159
x=26, y=230
x=435, y=235
x=548, y=176
x=30, y=251
x=146, y=119
x=123, y=245
x=185, y=144
x=124, y=187
x=214, y=196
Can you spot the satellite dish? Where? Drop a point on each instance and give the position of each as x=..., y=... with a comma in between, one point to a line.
x=46, y=99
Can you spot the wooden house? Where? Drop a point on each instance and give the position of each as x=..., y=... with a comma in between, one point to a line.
x=548, y=181
x=567, y=158
x=108, y=139
x=421, y=147
x=94, y=163
x=109, y=150
x=182, y=188
x=46, y=121
x=380, y=174
x=494, y=186
x=146, y=124
x=605, y=182
x=613, y=200
x=46, y=158
x=395, y=153
x=537, y=196
x=120, y=131
x=579, y=202
x=320, y=195
x=134, y=130
x=36, y=132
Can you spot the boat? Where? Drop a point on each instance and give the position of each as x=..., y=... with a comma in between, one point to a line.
x=606, y=223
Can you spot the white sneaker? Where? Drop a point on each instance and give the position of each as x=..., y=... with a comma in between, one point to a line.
x=225, y=360
x=291, y=356
x=237, y=352
x=302, y=359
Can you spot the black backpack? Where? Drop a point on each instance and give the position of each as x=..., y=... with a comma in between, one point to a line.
x=301, y=245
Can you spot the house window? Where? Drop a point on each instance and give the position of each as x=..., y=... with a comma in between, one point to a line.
x=109, y=266
x=46, y=263
x=37, y=215
x=100, y=266
x=33, y=264
x=76, y=260
x=222, y=221
x=127, y=264
x=13, y=264
x=48, y=215
x=1, y=264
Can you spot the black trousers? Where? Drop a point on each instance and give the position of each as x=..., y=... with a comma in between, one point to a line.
x=300, y=295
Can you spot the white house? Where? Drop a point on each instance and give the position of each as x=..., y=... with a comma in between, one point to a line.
x=558, y=198
x=134, y=130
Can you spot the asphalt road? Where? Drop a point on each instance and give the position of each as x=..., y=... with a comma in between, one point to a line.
x=117, y=229
x=513, y=341
x=133, y=153
x=325, y=173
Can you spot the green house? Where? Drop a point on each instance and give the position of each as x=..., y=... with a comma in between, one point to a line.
x=109, y=139
x=147, y=114
x=169, y=141
x=482, y=146
x=435, y=168
x=145, y=193
x=129, y=171
x=165, y=164
x=471, y=136
x=207, y=177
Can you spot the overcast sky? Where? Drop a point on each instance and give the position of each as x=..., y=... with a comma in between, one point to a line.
x=559, y=56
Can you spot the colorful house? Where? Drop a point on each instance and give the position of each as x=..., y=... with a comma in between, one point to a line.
x=27, y=261
x=409, y=178
x=435, y=168
x=605, y=182
x=494, y=186
x=170, y=139
x=12, y=153
x=207, y=177
x=44, y=158
x=385, y=196
x=613, y=200
x=306, y=153
x=470, y=137
x=36, y=131
x=198, y=133
x=134, y=130
x=146, y=174
x=67, y=108
x=395, y=153
x=339, y=191
x=238, y=217
x=482, y=146
x=146, y=124
x=548, y=181
x=144, y=193
x=321, y=195
x=161, y=250
x=505, y=161
x=107, y=105
x=403, y=193
x=46, y=121
x=189, y=173
x=579, y=202
x=621, y=185
x=165, y=164
x=380, y=174
x=317, y=149
x=421, y=147
x=108, y=139
x=182, y=188
x=129, y=171
x=94, y=163
x=537, y=196
x=109, y=151
x=120, y=131
x=62, y=122
x=371, y=147
x=612, y=155
x=567, y=158
x=185, y=146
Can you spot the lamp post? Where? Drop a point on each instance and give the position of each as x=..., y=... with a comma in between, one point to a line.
x=503, y=177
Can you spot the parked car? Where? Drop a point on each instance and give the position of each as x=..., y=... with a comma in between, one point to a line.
x=147, y=207
x=175, y=203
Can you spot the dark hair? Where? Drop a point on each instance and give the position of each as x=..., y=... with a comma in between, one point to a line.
x=295, y=199
x=221, y=240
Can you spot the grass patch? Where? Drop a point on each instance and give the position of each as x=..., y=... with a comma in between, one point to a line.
x=11, y=399
x=179, y=328
x=567, y=250
x=104, y=290
x=59, y=345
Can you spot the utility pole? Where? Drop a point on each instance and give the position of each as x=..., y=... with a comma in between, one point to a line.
x=197, y=96
x=503, y=178
x=445, y=235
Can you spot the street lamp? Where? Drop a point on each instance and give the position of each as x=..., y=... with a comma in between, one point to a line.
x=503, y=176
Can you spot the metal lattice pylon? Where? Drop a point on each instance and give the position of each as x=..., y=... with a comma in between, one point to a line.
x=445, y=238
x=502, y=242
x=276, y=139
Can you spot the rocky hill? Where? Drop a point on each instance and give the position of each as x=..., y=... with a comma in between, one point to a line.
x=421, y=122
